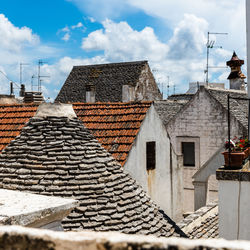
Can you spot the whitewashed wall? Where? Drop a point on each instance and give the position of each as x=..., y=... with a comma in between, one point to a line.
x=164, y=183
x=234, y=210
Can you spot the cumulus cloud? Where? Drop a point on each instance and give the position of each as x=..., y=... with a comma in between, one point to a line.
x=78, y=25
x=66, y=37
x=120, y=42
x=189, y=38
x=15, y=38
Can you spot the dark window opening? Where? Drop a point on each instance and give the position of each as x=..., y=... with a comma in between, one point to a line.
x=188, y=151
x=150, y=154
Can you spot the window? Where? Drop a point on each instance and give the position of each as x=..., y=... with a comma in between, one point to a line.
x=188, y=151
x=150, y=155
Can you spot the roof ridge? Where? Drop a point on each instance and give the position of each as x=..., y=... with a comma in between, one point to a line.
x=112, y=64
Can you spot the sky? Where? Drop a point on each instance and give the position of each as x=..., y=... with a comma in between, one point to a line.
x=170, y=34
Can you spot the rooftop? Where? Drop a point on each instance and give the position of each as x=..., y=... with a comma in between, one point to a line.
x=203, y=223
x=115, y=125
x=108, y=80
x=58, y=156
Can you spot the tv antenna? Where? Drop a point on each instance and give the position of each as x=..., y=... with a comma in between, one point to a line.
x=39, y=76
x=21, y=72
x=168, y=86
x=210, y=45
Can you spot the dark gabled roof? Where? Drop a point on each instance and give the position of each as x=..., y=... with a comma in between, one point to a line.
x=167, y=109
x=58, y=156
x=238, y=108
x=115, y=125
x=203, y=223
x=181, y=97
x=108, y=80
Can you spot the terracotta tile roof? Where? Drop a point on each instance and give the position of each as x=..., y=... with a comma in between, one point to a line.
x=12, y=118
x=115, y=125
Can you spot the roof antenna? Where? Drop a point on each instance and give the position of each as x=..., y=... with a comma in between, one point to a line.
x=168, y=86
x=39, y=76
x=21, y=72
x=210, y=45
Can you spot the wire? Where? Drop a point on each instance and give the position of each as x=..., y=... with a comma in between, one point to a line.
x=9, y=79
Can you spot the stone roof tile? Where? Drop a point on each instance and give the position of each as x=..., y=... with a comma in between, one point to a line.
x=91, y=179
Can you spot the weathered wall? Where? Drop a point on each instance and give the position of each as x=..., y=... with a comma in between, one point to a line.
x=33, y=239
x=164, y=183
x=146, y=87
x=204, y=122
x=234, y=207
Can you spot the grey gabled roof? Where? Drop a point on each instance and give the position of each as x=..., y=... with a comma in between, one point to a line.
x=167, y=109
x=238, y=108
x=203, y=223
x=107, y=79
x=58, y=156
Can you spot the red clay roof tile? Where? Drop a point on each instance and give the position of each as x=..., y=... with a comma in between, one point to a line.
x=115, y=125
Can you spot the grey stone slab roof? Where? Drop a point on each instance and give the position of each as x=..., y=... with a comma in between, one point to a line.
x=108, y=80
x=167, y=109
x=203, y=223
x=179, y=97
x=58, y=156
x=238, y=108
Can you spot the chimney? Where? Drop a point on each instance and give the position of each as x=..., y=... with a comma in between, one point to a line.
x=236, y=77
x=234, y=203
x=128, y=92
x=22, y=90
x=33, y=97
x=90, y=93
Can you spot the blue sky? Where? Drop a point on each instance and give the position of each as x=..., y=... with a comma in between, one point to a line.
x=170, y=34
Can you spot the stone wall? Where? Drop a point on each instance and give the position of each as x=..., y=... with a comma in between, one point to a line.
x=146, y=87
x=204, y=122
x=14, y=237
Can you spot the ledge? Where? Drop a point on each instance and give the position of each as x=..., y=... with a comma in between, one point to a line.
x=243, y=174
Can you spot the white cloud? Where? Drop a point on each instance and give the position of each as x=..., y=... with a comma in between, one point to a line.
x=66, y=37
x=181, y=58
x=78, y=25
x=120, y=42
x=14, y=38
x=189, y=38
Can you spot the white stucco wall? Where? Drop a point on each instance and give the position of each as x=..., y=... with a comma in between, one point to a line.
x=157, y=182
x=204, y=122
x=234, y=210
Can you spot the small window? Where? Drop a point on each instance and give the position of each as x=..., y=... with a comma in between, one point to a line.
x=150, y=154
x=188, y=151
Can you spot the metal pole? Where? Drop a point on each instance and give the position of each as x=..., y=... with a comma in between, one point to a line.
x=207, y=56
x=228, y=124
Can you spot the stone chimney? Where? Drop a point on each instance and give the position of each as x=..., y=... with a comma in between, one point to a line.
x=90, y=93
x=236, y=77
x=234, y=203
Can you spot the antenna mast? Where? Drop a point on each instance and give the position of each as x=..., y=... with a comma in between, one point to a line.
x=210, y=45
x=39, y=80
x=21, y=72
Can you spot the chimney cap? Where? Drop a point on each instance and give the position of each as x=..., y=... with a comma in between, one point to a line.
x=56, y=110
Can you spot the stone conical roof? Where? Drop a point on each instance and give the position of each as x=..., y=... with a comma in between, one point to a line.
x=58, y=156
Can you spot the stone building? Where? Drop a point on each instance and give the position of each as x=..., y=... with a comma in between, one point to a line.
x=113, y=82
x=198, y=130
x=135, y=136
x=56, y=155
